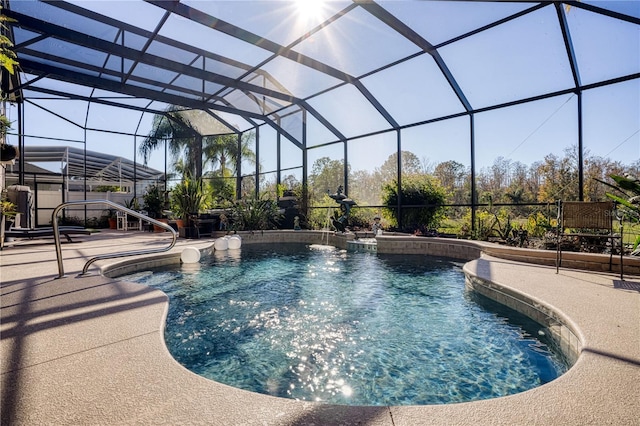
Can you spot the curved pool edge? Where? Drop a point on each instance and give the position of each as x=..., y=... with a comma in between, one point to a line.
x=563, y=331
x=104, y=361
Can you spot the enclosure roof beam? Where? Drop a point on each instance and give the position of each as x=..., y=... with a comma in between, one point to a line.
x=93, y=100
x=566, y=36
x=248, y=37
x=404, y=30
x=124, y=52
x=603, y=11
x=127, y=89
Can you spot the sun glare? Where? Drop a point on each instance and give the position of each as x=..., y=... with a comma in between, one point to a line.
x=309, y=9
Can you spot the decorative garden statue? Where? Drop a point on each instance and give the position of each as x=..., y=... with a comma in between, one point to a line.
x=345, y=208
x=377, y=226
x=224, y=222
x=296, y=223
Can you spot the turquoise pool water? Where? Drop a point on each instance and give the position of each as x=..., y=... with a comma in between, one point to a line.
x=348, y=328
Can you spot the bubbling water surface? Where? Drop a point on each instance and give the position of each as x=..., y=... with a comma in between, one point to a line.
x=348, y=328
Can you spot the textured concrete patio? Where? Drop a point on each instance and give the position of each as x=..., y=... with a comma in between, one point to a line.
x=90, y=351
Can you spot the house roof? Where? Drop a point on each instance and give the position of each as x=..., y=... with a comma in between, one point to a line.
x=99, y=166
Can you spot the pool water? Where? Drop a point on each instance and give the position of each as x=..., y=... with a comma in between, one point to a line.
x=348, y=328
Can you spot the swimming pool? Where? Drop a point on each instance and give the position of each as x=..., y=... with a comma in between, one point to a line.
x=348, y=328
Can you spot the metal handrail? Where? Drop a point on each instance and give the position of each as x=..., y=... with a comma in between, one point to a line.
x=56, y=234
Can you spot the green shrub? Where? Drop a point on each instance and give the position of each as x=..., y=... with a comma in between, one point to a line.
x=361, y=218
x=319, y=217
x=107, y=188
x=538, y=224
x=153, y=200
x=188, y=198
x=422, y=191
x=91, y=222
x=223, y=191
x=252, y=214
x=489, y=224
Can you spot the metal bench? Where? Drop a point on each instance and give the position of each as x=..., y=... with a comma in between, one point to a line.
x=582, y=219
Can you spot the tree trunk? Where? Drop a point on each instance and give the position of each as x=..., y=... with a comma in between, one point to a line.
x=198, y=156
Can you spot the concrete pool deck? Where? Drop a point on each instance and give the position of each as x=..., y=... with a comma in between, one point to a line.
x=90, y=351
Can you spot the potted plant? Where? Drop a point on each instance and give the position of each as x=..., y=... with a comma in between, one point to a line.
x=7, y=152
x=153, y=202
x=255, y=213
x=187, y=198
x=132, y=204
x=111, y=216
x=8, y=211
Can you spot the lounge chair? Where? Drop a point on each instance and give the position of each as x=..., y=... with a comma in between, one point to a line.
x=32, y=233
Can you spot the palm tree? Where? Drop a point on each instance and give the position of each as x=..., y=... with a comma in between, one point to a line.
x=184, y=141
x=224, y=152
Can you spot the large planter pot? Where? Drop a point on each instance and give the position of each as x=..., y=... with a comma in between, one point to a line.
x=8, y=222
x=157, y=228
x=113, y=223
x=190, y=232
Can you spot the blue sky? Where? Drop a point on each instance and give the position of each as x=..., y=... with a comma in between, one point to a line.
x=519, y=59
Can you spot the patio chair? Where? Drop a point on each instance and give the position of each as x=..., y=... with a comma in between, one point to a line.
x=582, y=219
x=126, y=222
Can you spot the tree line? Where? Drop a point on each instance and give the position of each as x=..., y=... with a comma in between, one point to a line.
x=504, y=182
